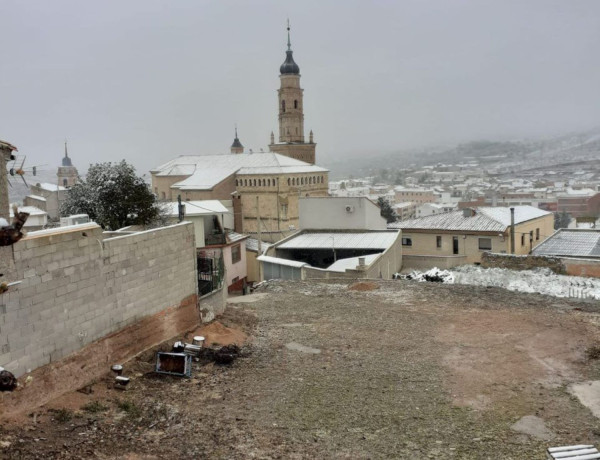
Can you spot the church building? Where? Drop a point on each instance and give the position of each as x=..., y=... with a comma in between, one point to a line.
x=263, y=187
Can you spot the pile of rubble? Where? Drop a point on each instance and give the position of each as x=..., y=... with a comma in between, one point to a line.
x=435, y=275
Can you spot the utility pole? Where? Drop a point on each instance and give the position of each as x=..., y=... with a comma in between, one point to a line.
x=512, y=230
x=259, y=252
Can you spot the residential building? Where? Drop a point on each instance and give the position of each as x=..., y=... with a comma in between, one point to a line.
x=579, y=203
x=405, y=210
x=340, y=213
x=47, y=197
x=208, y=217
x=254, y=248
x=461, y=237
x=414, y=195
x=221, y=252
x=37, y=219
x=343, y=253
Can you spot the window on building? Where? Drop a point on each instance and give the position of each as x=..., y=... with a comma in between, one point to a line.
x=523, y=239
x=406, y=241
x=289, y=181
x=295, y=104
x=64, y=182
x=283, y=106
x=537, y=234
x=236, y=254
x=438, y=241
x=284, y=211
x=485, y=244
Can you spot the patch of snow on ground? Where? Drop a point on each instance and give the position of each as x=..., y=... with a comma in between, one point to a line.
x=542, y=280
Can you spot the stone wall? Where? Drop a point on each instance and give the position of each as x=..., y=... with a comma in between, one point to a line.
x=527, y=262
x=416, y=262
x=78, y=288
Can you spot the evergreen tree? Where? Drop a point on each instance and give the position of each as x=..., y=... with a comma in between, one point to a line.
x=113, y=196
x=386, y=210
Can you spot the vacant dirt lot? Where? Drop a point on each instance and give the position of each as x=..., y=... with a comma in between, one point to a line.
x=398, y=370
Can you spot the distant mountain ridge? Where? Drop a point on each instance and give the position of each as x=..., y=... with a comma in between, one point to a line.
x=551, y=150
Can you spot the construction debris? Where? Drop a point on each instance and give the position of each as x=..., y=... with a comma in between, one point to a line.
x=435, y=275
x=121, y=382
x=8, y=382
x=178, y=364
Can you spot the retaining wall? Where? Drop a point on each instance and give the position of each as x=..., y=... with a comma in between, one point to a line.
x=78, y=288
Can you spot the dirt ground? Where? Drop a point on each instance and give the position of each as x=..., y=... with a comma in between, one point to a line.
x=407, y=370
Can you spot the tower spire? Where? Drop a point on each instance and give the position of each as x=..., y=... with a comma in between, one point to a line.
x=237, y=146
x=288, y=29
x=66, y=154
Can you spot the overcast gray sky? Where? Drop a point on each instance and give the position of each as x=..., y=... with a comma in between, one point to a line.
x=149, y=80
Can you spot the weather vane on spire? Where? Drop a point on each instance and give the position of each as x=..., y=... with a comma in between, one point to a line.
x=288, y=29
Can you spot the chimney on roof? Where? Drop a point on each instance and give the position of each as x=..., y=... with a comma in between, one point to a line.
x=468, y=212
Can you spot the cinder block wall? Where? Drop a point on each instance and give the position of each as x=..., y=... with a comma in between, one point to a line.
x=77, y=288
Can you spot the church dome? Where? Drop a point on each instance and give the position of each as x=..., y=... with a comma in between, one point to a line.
x=289, y=67
x=237, y=143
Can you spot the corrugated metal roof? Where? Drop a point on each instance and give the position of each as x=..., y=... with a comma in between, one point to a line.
x=571, y=242
x=278, y=261
x=362, y=240
x=206, y=171
x=485, y=219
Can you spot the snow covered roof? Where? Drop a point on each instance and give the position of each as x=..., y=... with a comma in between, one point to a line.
x=350, y=263
x=197, y=208
x=326, y=240
x=50, y=187
x=31, y=210
x=522, y=213
x=36, y=197
x=484, y=219
x=206, y=171
x=570, y=192
x=252, y=245
x=571, y=242
x=232, y=236
x=278, y=261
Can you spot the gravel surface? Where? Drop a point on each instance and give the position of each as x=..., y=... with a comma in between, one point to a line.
x=386, y=370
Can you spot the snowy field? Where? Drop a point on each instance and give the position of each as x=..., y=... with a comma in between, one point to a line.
x=542, y=280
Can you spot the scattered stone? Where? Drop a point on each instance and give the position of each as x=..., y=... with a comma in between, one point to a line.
x=302, y=348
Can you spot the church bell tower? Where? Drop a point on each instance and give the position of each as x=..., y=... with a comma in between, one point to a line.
x=291, y=112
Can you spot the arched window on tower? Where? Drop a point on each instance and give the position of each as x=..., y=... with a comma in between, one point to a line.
x=295, y=103
x=283, y=106
x=288, y=181
x=64, y=182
